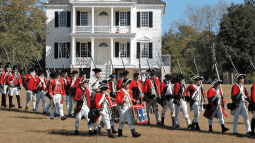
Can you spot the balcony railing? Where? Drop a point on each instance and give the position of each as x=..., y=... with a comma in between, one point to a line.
x=83, y=60
x=83, y=29
x=102, y=29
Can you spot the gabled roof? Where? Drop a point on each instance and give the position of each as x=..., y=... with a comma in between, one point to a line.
x=150, y=2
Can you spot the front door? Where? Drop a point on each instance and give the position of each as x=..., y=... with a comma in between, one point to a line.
x=102, y=55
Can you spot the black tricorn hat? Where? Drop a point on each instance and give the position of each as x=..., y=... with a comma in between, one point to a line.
x=152, y=73
x=15, y=67
x=125, y=72
x=40, y=72
x=103, y=86
x=197, y=77
x=1, y=65
x=63, y=71
x=58, y=72
x=240, y=76
x=8, y=65
x=126, y=81
x=82, y=73
x=181, y=76
x=217, y=82
x=168, y=76
x=31, y=69
x=96, y=70
x=136, y=75
x=52, y=75
x=75, y=72
x=113, y=75
x=84, y=81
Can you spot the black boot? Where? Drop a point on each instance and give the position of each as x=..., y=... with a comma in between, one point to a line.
x=113, y=130
x=135, y=134
x=173, y=124
x=3, y=101
x=110, y=135
x=223, y=128
x=252, y=126
x=10, y=102
x=163, y=121
x=193, y=125
x=190, y=126
x=91, y=133
x=120, y=133
x=76, y=133
x=95, y=133
x=210, y=128
x=197, y=127
x=18, y=100
x=100, y=130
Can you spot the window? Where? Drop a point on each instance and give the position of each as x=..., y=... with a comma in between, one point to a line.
x=62, y=50
x=144, y=50
x=103, y=13
x=144, y=19
x=62, y=19
x=123, y=50
x=84, y=19
x=123, y=18
x=84, y=49
x=103, y=44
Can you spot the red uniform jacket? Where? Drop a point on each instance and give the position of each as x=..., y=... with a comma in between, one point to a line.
x=120, y=95
x=75, y=84
x=68, y=83
x=134, y=88
x=96, y=104
x=39, y=85
x=31, y=82
x=147, y=87
x=253, y=93
x=2, y=75
x=77, y=97
x=191, y=89
x=177, y=88
x=10, y=78
x=235, y=91
x=119, y=86
x=163, y=89
x=56, y=89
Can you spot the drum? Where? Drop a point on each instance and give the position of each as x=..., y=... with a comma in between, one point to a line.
x=139, y=115
x=115, y=112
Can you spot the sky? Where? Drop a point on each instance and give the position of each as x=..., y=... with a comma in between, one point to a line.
x=175, y=9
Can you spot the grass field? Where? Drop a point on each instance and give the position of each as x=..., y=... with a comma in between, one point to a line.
x=20, y=126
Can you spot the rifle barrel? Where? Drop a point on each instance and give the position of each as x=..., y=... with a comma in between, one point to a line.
x=250, y=59
x=231, y=61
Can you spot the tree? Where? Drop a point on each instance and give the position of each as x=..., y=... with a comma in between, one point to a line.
x=252, y=2
x=236, y=33
x=22, y=31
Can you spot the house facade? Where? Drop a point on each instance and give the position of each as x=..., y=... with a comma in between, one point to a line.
x=104, y=34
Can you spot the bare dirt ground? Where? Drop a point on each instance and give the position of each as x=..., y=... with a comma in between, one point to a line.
x=20, y=126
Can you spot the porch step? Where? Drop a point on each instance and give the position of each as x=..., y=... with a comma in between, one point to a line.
x=105, y=71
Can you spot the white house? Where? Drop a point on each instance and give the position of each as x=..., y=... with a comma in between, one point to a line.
x=107, y=31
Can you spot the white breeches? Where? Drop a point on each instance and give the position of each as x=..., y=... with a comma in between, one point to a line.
x=182, y=108
x=152, y=103
x=5, y=89
x=13, y=90
x=241, y=110
x=84, y=112
x=219, y=114
x=125, y=113
x=31, y=95
x=1, y=89
x=40, y=95
x=168, y=104
x=57, y=100
x=71, y=103
x=105, y=119
x=196, y=110
x=67, y=101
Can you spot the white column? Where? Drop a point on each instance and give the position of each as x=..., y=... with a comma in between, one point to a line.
x=92, y=51
x=112, y=48
x=73, y=20
x=73, y=51
x=131, y=51
x=112, y=20
x=131, y=20
x=93, y=19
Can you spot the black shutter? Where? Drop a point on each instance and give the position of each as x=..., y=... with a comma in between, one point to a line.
x=68, y=19
x=150, y=50
x=117, y=18
x=128, y=18
x=128, y=50
x=138, y=50
x=55, y=50
x=78, y=49
x=56, y=18
x=138, y=19
x=68, y=49
x=117, y=49
x=89, y=47
x=78, y=18
x=151, y=19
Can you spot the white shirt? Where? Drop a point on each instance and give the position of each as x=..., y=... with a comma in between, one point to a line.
x=169, y=88
x=93, y=83
x=198, y=94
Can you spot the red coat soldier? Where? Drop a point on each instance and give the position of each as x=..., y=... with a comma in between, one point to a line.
x=136, y=87
x=125, y=75
x=4, y=83
x=41, y=91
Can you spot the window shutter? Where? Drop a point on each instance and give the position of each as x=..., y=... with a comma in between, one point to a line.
x=128, y=49
x=150, y=50
x=68, y=13
x=117, y=45
x=117, y=18
x=138, y=19
x=150, y=19
x=138, y=50
x=56, y=50
x=89, y=47
x=78, y=19
x=128, y=18
x=68, y=49
x=78, y=49
x=56, y=19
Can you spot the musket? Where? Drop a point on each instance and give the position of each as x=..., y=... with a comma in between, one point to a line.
x=148, y=64
x=249, y=58
x=94, y=63
x=197, y=68
x=123, y=63
x=27, y=59
x=140, y=68
x=235, y=69
x=179, y=67
x=62, y=57
x=161, y=62
x=112, y=65
x=69, y=58
x=38, y=62
x=6, y=54
x=79, y=61
x=52, y=63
